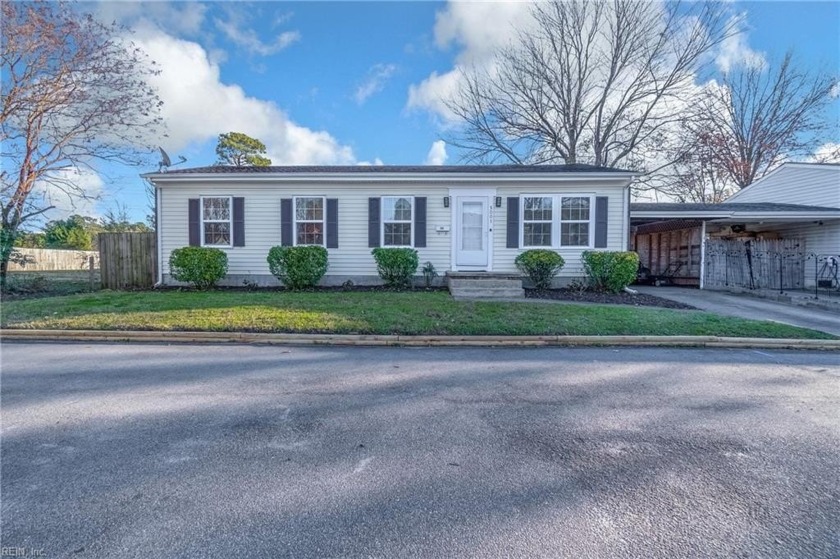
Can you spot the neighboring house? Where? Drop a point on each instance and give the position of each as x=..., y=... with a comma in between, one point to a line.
x=459, y=218
x=791, y=218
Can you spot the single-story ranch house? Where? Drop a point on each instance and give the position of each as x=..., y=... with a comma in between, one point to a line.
x=459, y=218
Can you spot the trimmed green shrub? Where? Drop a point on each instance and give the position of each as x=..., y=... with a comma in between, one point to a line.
x=610, y=270
x=298, y=267
x=541, y=265
x=396, y=266
x=200, y=266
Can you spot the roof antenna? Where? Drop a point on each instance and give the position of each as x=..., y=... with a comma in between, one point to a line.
x=165, y=162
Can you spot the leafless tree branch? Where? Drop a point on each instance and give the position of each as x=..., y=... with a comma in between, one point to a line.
x=74, y=91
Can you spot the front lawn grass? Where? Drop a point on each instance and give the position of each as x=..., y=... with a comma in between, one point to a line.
x=381, y=312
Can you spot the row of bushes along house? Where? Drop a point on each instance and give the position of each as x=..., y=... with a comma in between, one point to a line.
x=301, y=267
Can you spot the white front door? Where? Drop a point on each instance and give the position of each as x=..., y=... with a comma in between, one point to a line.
x=472, y=232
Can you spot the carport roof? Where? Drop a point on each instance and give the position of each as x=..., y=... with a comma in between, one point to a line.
x=742, y=211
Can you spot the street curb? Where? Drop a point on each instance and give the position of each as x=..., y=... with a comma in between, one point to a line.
x=398, y=340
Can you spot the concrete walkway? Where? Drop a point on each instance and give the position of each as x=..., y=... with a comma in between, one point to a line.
x=745, y=306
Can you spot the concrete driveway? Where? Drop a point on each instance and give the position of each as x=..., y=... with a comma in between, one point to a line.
x=237, y=451
x=744, y=306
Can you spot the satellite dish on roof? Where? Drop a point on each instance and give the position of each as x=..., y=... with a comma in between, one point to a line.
x=165, y=162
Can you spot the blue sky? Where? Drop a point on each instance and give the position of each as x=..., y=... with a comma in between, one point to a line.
x=353, y=82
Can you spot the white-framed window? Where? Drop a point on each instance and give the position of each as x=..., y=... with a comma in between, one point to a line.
x=557, y=221
x=575, y=221
x=397, y=221
x=537, y=221
x=309, y=213
x=217, y=221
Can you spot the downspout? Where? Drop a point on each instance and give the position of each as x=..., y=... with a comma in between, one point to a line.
x=627, y=217
x=703, y=254
x=158, y=211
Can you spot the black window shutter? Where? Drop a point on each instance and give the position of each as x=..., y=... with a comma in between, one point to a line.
x=195, y=222
x=239, y=222
x=373, y=222
x=601, y=221
x=513, y=222
x=420, y=222
x=332, y=223
x=286, y=238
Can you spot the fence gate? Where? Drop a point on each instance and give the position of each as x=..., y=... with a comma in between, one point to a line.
x=127, y=260
x=752, y=264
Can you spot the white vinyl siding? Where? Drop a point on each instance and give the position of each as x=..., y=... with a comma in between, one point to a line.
x=808, y=185
x=818, y=240
x=262, y=223
x=353, y=257
x=503, y=257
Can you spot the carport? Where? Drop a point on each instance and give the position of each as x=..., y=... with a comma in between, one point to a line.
x=737, y=245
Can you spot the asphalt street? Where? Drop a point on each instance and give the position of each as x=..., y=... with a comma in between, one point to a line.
x=115, y=450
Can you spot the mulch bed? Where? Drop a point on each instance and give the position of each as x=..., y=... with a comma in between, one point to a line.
x=587, y=296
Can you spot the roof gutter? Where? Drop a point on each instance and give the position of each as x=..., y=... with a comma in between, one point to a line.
x=737, y=215
x=368, y=178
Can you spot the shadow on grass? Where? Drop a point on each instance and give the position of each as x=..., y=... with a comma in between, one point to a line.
x=370, y=313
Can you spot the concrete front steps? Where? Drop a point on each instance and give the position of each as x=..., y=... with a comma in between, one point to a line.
x=485, y=285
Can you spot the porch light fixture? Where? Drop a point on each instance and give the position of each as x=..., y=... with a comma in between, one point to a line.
x=446, y=201
x=498, y=201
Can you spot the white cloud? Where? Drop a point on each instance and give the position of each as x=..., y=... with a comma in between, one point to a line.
x=179, y=18
x=198, y=106
x=62, y=190
x=434, y=92
x=826, y=153
x=437, y=153
x=376, y=161
x=480, y=29
x=374, y=82
x=735, y=51
x=248, y=39
x=237, y=27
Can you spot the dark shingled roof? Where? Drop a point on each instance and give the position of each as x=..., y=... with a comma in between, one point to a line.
x=384, y=169
x=726, y=207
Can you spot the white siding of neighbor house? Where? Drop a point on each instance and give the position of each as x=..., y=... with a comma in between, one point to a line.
x=819, y=240
x=804, y=184
x=808, y=185
x=353, y=257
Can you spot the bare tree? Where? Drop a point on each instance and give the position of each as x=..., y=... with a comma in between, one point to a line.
x=591, y=82
x=74, y=92
x=696, y=174
x=829, y=154
x=767, y=115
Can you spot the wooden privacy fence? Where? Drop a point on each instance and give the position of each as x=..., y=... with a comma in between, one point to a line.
x=752, y=264
x=52, y=260
x=127, y=260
